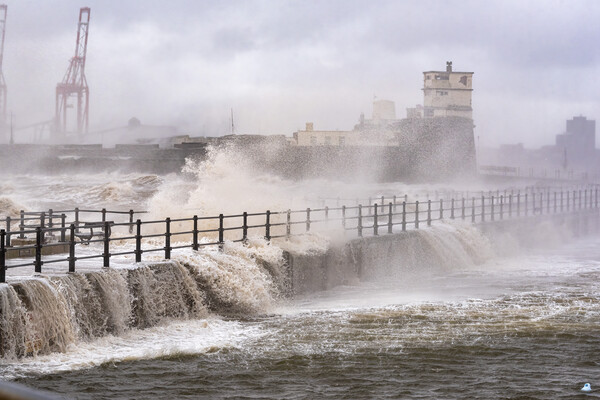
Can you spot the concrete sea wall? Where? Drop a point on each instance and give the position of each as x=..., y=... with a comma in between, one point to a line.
x=425, y=251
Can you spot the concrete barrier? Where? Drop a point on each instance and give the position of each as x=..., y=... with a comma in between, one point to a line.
x=417, y=252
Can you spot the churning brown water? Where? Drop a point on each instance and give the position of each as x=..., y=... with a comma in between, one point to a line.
x=521, y=327
x=216, y=325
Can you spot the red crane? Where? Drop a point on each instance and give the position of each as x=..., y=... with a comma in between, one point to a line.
x=3, y=8
x=74, y=82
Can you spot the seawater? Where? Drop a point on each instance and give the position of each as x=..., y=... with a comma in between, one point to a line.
x=514, y=327
x=483, y=325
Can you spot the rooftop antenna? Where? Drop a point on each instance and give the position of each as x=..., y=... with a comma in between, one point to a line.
x=232, y=125
x=75, y=82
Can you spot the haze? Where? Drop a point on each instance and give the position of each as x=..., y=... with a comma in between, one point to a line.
x=281, y=64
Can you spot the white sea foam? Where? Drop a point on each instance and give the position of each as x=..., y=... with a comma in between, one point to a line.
x=169, y=339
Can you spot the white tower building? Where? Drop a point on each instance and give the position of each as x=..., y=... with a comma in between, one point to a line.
x=447, y=93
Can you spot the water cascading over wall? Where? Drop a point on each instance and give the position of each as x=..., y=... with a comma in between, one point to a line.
x=45, y=314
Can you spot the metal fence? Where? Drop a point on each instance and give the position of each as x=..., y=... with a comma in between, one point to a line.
x=375, y=218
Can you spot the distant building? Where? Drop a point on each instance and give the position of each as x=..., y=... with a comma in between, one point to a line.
x=579, y=141
x=384, y=110
x=415, y=112
x=379, y=130
x=310, y=137
x=447, y=93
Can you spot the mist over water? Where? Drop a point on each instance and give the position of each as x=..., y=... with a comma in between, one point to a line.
x=220, y=324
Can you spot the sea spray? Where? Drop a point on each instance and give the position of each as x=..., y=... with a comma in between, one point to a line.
x=10, y=208
x=12, y=323
x=232, y=284
x=163, y=291
x=49, y=313
x=456, y=244
x=47, y=322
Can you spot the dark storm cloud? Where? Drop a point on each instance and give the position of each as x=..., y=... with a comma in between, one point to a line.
x=281, y=63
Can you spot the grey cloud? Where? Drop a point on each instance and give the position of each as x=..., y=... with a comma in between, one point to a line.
x=294, y=61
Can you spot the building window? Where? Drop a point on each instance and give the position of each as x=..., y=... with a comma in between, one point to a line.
x=342, y=140
x=441, y=93
x=428, y=77
x=442, y=77
x=328, y=140
x=313, y=140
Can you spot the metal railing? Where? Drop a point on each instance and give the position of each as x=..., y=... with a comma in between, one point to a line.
x=537, y=173
x=29, y=220
x=371, y=219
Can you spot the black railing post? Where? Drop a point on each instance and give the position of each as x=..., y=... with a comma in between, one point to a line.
x=519, y=204
x=441, y=209
x=38, y=250
x=308, y=220
x=43, y=220
x=245, y=227
x=462, y=208
x=585, y=198
x=106, y=253
x=8, y=223
x=63, y=221
x=473, y=210
x=390, y=217
x=50, y=218
x=22, y=225
x=268, y=225
x=429, y=212
x=375, y=222
x=561, y=202
x=510, y=197
x=104, y=215
x=130, y=221
x=403, y=216
x=167, y=238
x=221, y=232
x=195, y=233
x=568, y=200
x=288, y=222
x=501, y=207
x=417, y=214
x=482, y=208
x=344, y=218
x=452, y=208
x=326, y=212
x=72, y=248
x=359, y=223
x=76, y=222
x=138, y=240
x=548, y=202
x=492, y=212
x=2, y=257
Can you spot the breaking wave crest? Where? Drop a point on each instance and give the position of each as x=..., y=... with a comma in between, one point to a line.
x=49, y=313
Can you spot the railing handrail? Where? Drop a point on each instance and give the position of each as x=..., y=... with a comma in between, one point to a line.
x=497, y=205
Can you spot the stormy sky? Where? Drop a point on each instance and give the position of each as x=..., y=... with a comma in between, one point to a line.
x=280, y=64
